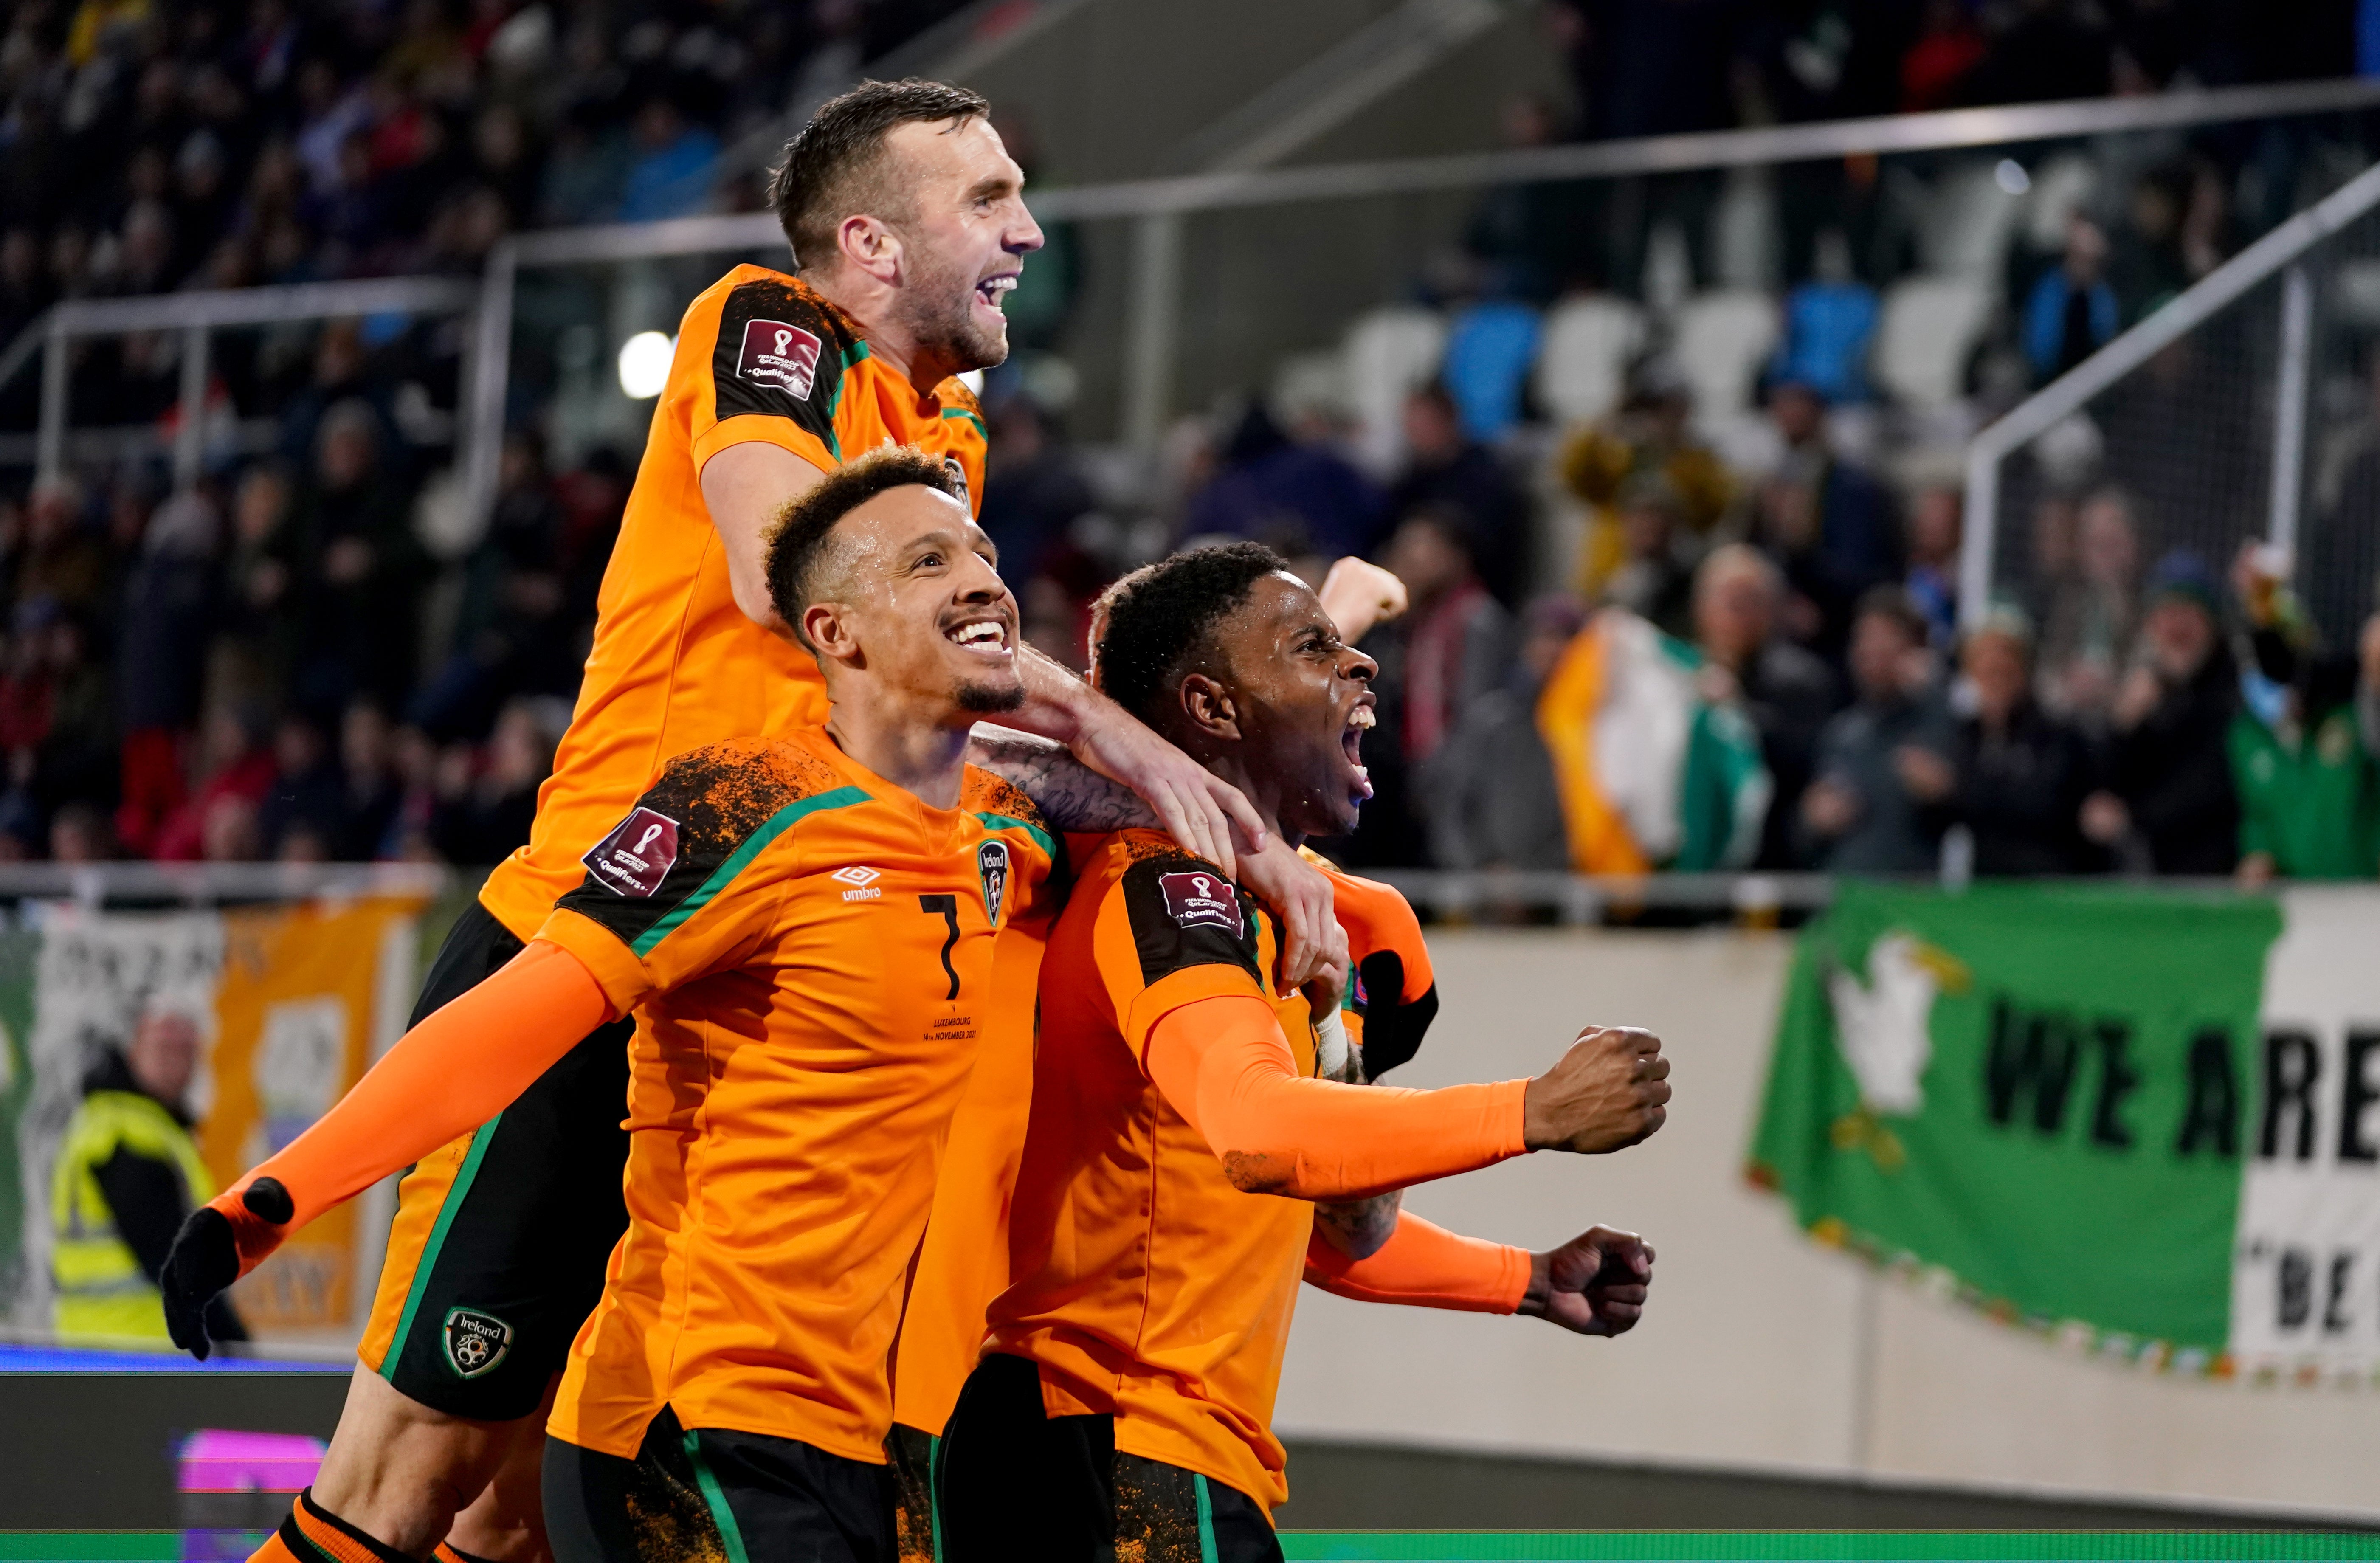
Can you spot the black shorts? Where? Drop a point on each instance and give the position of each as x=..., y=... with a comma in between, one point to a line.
x=497, y=1255
x=1017, y=1483
x=715, y=1493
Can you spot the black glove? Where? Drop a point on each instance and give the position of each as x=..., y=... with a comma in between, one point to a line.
x=205, y=1259
x=1392, y=1028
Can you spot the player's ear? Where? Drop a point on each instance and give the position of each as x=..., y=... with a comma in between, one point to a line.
x=1210, y=707
x=830, y=632
x=869, y=245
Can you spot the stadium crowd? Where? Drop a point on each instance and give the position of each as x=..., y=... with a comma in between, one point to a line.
x=278, y=664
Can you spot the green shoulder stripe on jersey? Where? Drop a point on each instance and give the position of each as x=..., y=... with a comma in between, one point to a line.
x=751, y=847
x=971, y=418
x=851, y=355
x=1041, y=838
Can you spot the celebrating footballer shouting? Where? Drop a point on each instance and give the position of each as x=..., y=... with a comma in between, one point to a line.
x=907, y=224
x=1162, y=1220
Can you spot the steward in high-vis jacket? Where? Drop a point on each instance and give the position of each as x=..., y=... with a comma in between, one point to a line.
x=128, y=1173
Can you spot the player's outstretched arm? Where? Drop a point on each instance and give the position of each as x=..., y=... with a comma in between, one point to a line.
x=1224, y=1065
x=1595, y=1284
x=454, y=1072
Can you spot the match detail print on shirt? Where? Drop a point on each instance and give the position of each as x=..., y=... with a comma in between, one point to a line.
x=637, y=856
x=1201, y=900
x=781, y=354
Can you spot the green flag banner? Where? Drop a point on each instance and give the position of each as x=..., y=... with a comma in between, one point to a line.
x=2142, y=1118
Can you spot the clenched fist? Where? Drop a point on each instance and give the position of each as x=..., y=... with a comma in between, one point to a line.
x=1595, y=1284
x=1608, y=1092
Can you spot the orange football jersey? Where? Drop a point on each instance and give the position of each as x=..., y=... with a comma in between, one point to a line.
x=675, y=665
x=1146, y=1285
x=810, y=953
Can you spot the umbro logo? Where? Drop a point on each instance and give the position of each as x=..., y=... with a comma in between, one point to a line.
x=862, y=880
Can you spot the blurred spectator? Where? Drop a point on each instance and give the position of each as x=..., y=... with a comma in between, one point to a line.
x=510, y=633
x=1827, y=521
x=2303, y=746
x=2071, y=312
x=1653, y=580
x=232, y=770
x=1284, y=491
x=482, y=817
x=2094, y=610
x=1935, y=71
x=1787, y=693
x=307, y=796
x=372, y=791
x=1458, y=640
x=2021, y=773
x=671, y=174
x=62, y=560
x=1463, y=481
x=1035, y=492
x=127, y=1174
x=1532, y=240
x=1492, y=799
x=255, y=624
x=1647, y=436
x=168, y=603
x=1932, y=551
x=2168, y=806
x=1883, y=765
x=362, y=569
x=80, y=833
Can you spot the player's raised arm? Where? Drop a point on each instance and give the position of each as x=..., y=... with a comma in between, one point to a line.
x=457, y=1069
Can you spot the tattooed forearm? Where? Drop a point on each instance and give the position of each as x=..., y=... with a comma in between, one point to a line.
x=1360, y=1229
x=1070, y=795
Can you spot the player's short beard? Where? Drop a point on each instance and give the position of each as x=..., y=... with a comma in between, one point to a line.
x=989, y=699
x=937, y=308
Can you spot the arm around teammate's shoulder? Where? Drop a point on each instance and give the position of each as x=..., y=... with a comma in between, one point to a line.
x=746, y=488
x=460, y=1067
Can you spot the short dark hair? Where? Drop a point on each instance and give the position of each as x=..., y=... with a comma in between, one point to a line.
x=830, y=166
x=1147, y=628
x=800, y=536
x=1892, y=603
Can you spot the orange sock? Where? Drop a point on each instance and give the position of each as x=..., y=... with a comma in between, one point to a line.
x=447, y=1552
x=314, y=1534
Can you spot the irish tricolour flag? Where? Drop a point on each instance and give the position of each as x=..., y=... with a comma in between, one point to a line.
x=2150, y=1119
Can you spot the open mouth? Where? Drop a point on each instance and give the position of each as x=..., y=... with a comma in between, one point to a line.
x=991, y=290
x=1351, y=744
x=985, y=638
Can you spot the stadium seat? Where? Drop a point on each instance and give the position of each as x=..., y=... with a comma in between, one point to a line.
x=1721, y=339
x=1489, y=347
x=1388, y=354
x=1930, y=325
x=1829, y=328
x=1584, y=365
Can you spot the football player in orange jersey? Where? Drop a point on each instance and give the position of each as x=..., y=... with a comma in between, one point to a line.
x=907, y=224
x=1123, y=1401
x=805, y=926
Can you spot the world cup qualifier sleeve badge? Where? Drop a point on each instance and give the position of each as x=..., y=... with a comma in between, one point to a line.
x=992, y=867
x=476, y=1343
